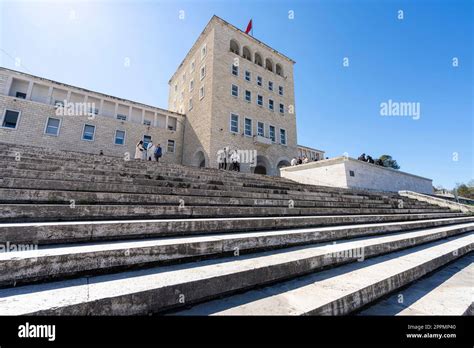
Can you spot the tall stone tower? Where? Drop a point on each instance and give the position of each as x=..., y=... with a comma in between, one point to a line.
x=238, y=93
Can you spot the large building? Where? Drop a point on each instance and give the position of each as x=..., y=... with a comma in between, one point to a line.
x=230, y=92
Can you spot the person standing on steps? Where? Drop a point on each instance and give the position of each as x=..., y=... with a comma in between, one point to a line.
x=139, y=150
x=150, y=149
x=158, y=153
x=235, y=159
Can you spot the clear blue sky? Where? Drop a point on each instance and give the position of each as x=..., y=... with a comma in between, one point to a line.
x=338, y=108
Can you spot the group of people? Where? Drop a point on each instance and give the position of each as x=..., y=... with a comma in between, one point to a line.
x=300, y=160
x=229, y=160
x=369, y=159
x=150, y=153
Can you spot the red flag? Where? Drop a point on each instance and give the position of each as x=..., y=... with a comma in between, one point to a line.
x=249, y=27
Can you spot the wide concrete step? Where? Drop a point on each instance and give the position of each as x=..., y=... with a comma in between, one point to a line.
x=449, y=291
x=344, y=289
x=25, y=196
x=163, y=288
x=79, y=231
x=75, y=211
x=90, y=258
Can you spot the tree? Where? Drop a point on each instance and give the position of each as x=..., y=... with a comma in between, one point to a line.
x=389, y=162
x=464, y=190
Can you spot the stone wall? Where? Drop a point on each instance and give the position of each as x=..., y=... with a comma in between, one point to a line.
x=351, y=173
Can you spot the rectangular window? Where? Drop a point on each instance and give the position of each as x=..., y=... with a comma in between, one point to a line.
x=193, y=64
x=248, y=127
x=261, y=129
x=10, y=119
x=259, y=100
x=201, y=92
x=248, y=96
x=203, y=52
x=21, y=95
x=170, y=146
x=272, y=133
x=235, y=91
x=88, y=132
x=190, y=103
x=351, y=173
x=259, y=81
x=270, y=104
x=235, y=70
x=248, y=76
x=203, y=72
x=52, y=126
x=270, y=85
x=234, y=123
x=147, y=122
x=121, y=117
x=282, y=108
x=191, y=85
x=119, y=137
x=282, y=136
x=146, y=140
x=280, y=90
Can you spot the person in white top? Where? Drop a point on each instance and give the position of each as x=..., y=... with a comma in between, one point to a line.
x=235, y=159
x=139, y=150
x=150, y=150
x=293, y=162
x=305, y=159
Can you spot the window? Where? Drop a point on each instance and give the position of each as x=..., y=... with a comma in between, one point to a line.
x=190, y=104
x=191, y=85
x=270, y=85
x=146, y=140
x=235, y=70
x=248, y=127
x=193, y=64
x=121, y=117
x=351, y=173
x=201, y=92
x=170, y=146
x=259, y=100
x=235, y=91
x=147, y=122
x=261, y=129
x=248, y=96
x=282, y=108
x=272, y=133
x=282, y=136
x=270, y=104
x=234, y=123
x=10, y=119
x=176, y=87
x=280, y=90
x=52, y=126
x=21, y=95
x=203, y=72
x=248, y=76
x=258, y=59
x=234, y=47
x=119, y=137
x=203, y=52
x=259, y=81
x=246, y=53
x=59, y=103
x=88, y=132
x=279, y=70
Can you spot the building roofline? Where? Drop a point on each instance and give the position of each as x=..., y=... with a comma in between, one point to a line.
x=215, y=17
x=92, y=92
x=309, y=148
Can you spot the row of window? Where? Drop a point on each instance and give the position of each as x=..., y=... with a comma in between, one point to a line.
x=259, y=79
x=202, y=71
x=11, y=119
x=261, y=129
x=248, y=97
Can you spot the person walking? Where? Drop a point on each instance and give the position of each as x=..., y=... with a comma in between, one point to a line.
x=139, y=150
x=158, y=153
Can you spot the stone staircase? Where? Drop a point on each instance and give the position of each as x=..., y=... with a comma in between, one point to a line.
x=115, y=237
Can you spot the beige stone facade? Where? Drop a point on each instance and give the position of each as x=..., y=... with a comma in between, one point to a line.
x=231, y=91
x=236, y=60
